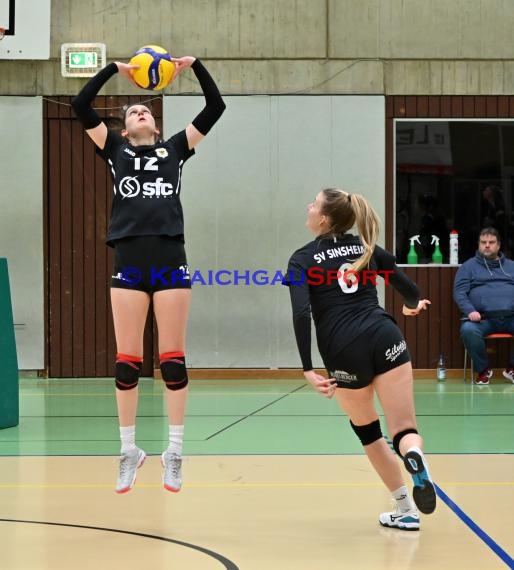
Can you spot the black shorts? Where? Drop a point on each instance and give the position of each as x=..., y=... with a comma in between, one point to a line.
x=150, y=264
x=378, y=350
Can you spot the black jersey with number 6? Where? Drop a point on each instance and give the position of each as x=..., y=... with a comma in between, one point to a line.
x=146, y=189
x=343, y=308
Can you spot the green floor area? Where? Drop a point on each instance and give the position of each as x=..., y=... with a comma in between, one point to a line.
x=78, y=417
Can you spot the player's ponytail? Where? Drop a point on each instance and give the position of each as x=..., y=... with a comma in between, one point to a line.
x=367, y=222
x=346, y=210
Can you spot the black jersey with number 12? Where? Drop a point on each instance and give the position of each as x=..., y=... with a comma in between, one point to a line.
x=147, y=183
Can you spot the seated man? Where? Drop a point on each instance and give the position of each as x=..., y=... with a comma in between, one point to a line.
x=484, y=292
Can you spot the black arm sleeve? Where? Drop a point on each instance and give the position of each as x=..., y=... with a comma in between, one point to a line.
x=407, y=288
x=300, y=302
x=396, y=277
x=214, y=105
x=82, y=102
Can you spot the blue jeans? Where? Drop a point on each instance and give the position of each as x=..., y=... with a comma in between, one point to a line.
x=472, y=335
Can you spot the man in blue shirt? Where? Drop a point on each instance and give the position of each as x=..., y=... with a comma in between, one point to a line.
x=484, y=292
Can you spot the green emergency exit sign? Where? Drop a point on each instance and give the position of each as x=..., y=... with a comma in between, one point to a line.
x=82, y=59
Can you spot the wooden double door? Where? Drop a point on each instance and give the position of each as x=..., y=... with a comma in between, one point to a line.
x=77, y=201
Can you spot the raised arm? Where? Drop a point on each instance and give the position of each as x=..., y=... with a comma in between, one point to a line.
x=214, y=104
x=81, y=104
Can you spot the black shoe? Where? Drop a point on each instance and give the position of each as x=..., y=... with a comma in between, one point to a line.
x=424, y=491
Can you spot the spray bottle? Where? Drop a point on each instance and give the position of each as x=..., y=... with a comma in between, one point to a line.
x=454, y=247
x=437, y=256
x=412, y=256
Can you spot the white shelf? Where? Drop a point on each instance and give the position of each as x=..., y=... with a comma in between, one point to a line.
x=427, y=265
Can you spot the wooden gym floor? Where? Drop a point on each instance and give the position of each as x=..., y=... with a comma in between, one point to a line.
x=274, y=479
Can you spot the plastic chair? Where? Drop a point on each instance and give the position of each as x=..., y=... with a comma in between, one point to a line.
x=493, y=336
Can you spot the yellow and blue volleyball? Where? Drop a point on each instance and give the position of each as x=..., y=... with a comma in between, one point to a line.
x=155, y=67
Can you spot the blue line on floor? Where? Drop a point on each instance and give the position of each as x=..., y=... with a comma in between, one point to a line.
x=496, y=548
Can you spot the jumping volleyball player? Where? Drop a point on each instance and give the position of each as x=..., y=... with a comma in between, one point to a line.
x=361, y=346
x=147, y=232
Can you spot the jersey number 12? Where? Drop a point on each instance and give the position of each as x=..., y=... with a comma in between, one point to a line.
x=149, y=165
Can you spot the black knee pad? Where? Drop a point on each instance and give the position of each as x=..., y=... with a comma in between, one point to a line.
x=398, y=437
x=127, y=373
x=368, y=433
x=174, y=371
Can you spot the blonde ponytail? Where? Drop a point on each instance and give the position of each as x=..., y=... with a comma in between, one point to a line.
x=347, y=210
x=367, y=222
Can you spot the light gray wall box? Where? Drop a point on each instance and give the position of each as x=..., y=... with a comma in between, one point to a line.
x=245, y=195
x=21, y=221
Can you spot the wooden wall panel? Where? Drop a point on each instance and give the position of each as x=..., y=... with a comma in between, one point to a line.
x=438, y=330
x=503, y=106
x=422, y=106
x=78, y=190
x=456, y=106
x=434, y=106
x=52, y=232
x=446, y=106
x=89, y=263
x=468, y=106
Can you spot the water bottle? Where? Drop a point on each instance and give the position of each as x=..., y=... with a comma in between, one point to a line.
x=454, y=247
x=441, y=369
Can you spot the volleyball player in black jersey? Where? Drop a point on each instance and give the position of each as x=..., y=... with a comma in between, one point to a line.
x=147, y=231
x=362, y=348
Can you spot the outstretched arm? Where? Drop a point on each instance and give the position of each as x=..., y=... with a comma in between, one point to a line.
x=409, y=291
x=399, y=280
x=214, y=104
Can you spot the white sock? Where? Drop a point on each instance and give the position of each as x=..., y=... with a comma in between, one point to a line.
x=128, y=438
x=176, y=438
x=403, y=500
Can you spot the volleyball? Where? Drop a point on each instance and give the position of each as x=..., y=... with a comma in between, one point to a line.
x=155, y=67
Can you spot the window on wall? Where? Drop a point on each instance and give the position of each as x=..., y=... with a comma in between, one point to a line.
x=456, y=174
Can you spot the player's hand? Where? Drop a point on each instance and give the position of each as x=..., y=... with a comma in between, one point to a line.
x=182, y=63
x=126, y=69
x=324, y=386
x=475, y=316
x=422, y=306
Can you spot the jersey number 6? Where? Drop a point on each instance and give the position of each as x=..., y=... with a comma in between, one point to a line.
x=349, y=282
